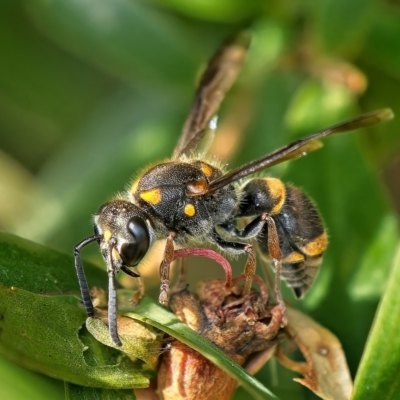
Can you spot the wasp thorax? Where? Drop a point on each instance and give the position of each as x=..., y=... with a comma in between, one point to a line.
x=126, y=228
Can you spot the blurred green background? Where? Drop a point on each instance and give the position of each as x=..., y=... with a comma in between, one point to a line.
x=91, y=91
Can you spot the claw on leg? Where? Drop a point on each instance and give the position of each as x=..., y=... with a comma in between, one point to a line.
x=140, y=290
x=249, y=269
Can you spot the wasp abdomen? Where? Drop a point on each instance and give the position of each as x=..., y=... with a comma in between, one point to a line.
x=302, y=236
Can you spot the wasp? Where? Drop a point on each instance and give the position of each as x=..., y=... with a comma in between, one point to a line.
x=189, y=200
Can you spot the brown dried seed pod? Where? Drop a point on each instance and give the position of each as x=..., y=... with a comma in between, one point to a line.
x=241, y=326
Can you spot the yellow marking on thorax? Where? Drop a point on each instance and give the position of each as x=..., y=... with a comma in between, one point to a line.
x=206, y=169
x=134, y=186
x=277, y=191
x=316, y=246
x=107, y=235
x=152, y=196
x=190, y=210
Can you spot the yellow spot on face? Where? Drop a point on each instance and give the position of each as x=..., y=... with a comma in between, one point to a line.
x=206, y=169
x=152, y=196
x=107, y=235
x=115, y=253
x=190, y=210
x=278, y=192
x=316, y=246
x=294, y=258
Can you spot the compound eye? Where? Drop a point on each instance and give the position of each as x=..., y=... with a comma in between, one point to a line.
x=133, y=252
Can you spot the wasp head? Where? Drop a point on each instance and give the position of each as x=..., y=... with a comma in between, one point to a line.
x=125, y=233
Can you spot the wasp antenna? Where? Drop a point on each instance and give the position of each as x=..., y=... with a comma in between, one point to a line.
x=87, y=301
x=300, y=147
x=364, y=120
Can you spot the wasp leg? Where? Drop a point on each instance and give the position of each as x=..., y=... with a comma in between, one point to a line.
x=251, y=230
x=200, y=252
x=276, y=255
x=165, y=267
x=239, y=248
x=112, y=295
x=261, y=284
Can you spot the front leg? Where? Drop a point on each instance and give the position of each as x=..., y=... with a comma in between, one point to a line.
x=239, y=248
x=251, y=230
x=112, y=268
x=165, y=268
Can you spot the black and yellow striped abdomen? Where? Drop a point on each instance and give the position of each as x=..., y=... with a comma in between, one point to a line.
x=302, y=236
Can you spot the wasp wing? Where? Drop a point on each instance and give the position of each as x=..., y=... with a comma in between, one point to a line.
x=299, y=148
x=217, y=79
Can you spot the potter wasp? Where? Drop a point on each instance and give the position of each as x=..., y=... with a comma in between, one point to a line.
x=190, y=199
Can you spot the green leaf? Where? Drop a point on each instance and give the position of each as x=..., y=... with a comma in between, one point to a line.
x=74, y=392
x=153, y=314
x=378, y=376
x=44, y=331
x=39, y=269
x=139, y=341
x=34, y=385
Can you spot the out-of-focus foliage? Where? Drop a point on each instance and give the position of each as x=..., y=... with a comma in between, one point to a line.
x=92, y=91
